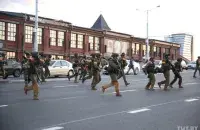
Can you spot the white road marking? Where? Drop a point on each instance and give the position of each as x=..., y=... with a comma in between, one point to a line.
x=54, y=128
x=191, y=100
x=3, y=105
x=112, y=114
x=59, y=86
x=139, y=110
x=65, y=86
x=190, y=83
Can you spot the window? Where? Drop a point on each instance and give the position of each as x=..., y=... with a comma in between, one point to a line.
x=80, y=41
x=60, y=38
x=53, y=57
x=11, y=32
x=10, y=55
x=144, y=50
x=57, y=64
x=96, y=46
x=133, y=48
x=167, y=50
x=73, y=40
x=64, y=63
x=39, y=36
x=53, y=38
x=29, y=34
x=60, y=57
x=137, y=48
x=159, y=51
x=154, y=51
x=2, y=30
x=91, y=41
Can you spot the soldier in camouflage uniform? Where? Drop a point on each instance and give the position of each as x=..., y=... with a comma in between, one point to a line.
x=25, y=67
x=113, y=70
x=2, y=62
x=176, y=70
x=150, y=67
x=41, y=66
x=89, y=68
x=83, y=68
x=123, y=64
x=95, y=71
x=46, y=64
x=166, y=66
x=32, y=64
x=76, y=66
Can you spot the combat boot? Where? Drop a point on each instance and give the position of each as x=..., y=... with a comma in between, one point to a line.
x=93, y=88
x=180, y=86
x=27, y=88
x=170, y=86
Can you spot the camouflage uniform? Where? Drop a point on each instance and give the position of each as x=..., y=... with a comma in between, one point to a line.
x=113, y=70
x=123, y=64
x=25, y=67
x=197, y=67
x=33, y=63
x=46, y=64
x=2, y=62
x=150, y=70
x=95, y=68
x=76, y=65
x=89, y=69
x=166, y=66
x=177, y=75
x=83, y=68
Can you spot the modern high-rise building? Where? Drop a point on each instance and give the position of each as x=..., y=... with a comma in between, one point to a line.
x=186, y=42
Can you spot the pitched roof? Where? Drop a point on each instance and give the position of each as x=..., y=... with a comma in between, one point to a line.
x=101, y=24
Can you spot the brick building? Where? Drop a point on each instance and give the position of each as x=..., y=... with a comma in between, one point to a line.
x=61, y=39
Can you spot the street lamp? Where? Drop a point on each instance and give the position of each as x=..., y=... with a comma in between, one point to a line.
x=35, y=46
x=147, y=27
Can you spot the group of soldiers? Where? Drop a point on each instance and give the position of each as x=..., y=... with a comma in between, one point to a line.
x=33, y=65
x=166, y=67
x=90, y=68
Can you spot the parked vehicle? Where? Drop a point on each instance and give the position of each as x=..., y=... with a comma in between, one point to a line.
x=136, y=68
x=157, y=63
x=60, y=68
x=13, y=68
x=191, y=65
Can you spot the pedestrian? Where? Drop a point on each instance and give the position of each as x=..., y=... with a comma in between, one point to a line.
x=2, y=63
x=131, y=66
x=89, y=68
x=95, y=71
x=113, y=70
x=33, y=63
x=76, y=66
x=150, y=67
x=176, y=70
x=46, y=65
x=166, y=65
x=197, y=67
x=123, y=64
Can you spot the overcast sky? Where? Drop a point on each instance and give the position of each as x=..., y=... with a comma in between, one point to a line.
x=173, y=16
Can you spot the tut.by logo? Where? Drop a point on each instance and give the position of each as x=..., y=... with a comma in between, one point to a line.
x=187, y=127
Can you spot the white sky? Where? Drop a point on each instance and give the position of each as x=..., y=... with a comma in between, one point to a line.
x=173, y=16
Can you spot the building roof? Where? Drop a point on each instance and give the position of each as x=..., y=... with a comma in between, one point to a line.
x=101, y=24
x=17, y=14
x=181, y=34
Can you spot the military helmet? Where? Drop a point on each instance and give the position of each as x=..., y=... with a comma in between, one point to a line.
x=115, y=55
x=27, y=53
x=151, y=59
x=93, y=55
x=123, y=54
x=76, y=55
x=179, y=59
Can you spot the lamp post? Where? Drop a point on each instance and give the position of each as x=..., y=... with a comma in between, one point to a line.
x=147, y=30
x=35, y=46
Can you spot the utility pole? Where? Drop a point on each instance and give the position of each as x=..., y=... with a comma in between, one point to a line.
x=35, y=46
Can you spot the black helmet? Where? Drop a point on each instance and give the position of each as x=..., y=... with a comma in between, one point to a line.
x=123, y=54
x=115, y=55
x=179, y=59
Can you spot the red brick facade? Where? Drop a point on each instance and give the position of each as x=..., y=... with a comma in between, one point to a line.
x=108, y=41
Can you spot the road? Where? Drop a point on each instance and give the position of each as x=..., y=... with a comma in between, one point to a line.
x=64, y=105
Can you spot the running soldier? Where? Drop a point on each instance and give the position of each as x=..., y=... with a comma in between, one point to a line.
x=150, y=71
x=123, y=64
x=76, y=66
x=131, y=66
x=25, y=67
x=113, y=70
x=83, y=68
x=46, y=65
x=176, y=70
x=32, y=64
x=197, y=67
x=166, y=66
x=95, y=71
x=89, y=69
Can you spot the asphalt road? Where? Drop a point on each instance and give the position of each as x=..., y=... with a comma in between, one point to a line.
x=64, y=105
